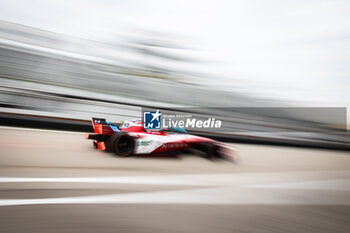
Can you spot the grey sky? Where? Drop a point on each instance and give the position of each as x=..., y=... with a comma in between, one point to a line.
x=298, y=50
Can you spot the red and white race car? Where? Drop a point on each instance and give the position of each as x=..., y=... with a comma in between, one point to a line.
x=131, y=138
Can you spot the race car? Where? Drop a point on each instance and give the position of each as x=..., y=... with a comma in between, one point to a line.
x=130, y=138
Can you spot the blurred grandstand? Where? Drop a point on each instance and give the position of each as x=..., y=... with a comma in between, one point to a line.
x=49, y=74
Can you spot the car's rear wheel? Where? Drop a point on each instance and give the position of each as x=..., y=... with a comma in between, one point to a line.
x=109, y=143
x=122, y=144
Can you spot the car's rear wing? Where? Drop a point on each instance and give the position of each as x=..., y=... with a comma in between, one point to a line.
x=101, y=126
x=103, y=130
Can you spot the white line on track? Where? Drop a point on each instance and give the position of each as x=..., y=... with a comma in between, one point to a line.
x=287, y=188
x=161, y=180
x=334, y=184
x=208, y=196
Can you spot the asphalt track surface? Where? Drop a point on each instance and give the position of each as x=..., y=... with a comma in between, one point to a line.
x=54, y=181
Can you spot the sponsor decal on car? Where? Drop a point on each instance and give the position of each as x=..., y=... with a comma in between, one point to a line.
x=145, y=143
x=173, y=146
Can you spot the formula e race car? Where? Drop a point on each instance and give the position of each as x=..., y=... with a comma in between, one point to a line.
x=130, y=138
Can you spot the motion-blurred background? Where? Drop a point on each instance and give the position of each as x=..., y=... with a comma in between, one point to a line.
x=78, y=59
x=275, y=72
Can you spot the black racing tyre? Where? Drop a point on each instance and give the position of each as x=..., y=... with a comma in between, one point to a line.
x=109, y=142
x=94, y=144
x=210, y=150
x=122, y=144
